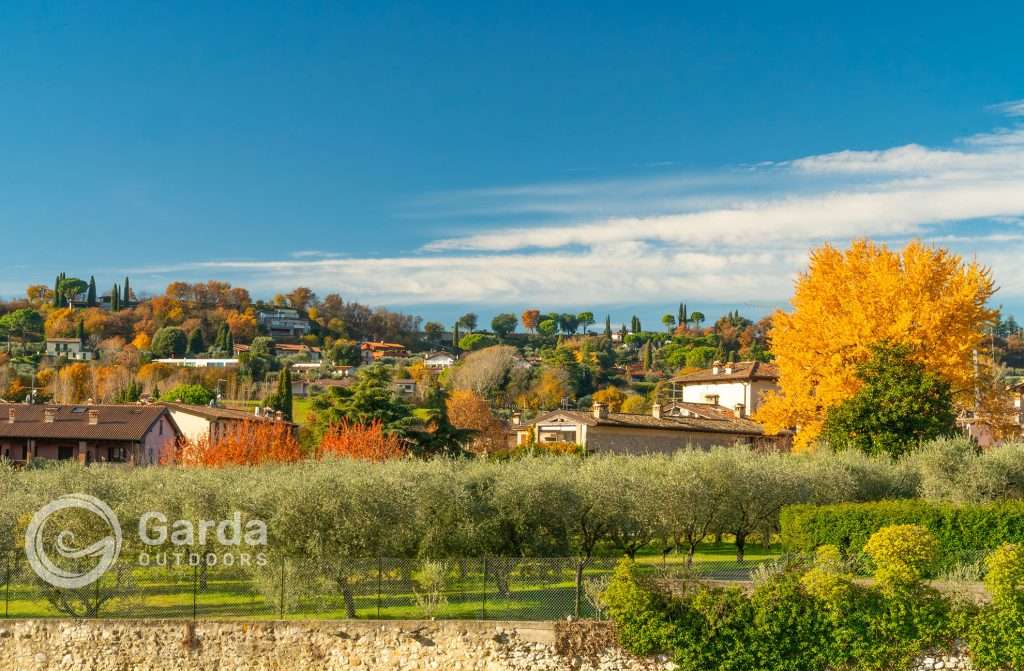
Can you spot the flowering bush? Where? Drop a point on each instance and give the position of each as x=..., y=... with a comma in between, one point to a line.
x=902, y=553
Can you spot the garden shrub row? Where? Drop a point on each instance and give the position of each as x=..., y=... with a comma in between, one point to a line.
x=964, y=532
x=815, y=616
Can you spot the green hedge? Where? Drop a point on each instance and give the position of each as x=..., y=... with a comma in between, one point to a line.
x=963, y=531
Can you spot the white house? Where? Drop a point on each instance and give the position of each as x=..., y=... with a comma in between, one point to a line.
x=736, y=386
x=199, y=363
x=438, y=360
x=69, y=348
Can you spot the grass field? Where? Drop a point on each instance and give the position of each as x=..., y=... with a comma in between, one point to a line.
x=523, y=589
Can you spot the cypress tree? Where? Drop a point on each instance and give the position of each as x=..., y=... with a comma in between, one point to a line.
x=608, y=326
x=229, y=341
x=196, y=344
x=683, y=318
x=90, y=297
x=81, y=331
x=455, y=335
x=115, y=298
x=127, y=293
x=284, y=393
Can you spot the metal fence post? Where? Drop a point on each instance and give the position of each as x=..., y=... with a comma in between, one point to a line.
x=97, y=612
x=283, y=567
x=483, y=611
x=195, y=591
x=380, y=581
x=7, y=588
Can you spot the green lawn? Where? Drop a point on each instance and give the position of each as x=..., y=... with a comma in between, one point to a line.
x=523, y=589
x=300, y=411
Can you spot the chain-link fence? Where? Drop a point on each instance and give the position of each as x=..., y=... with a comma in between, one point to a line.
x=185, y=586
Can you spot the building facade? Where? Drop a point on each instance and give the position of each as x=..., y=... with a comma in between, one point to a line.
x=124, y=434
x=665, y=430
x=733, y=386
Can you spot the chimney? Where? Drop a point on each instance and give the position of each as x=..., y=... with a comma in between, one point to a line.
x=715, y=367
x=258, y=411
x=10, y=415
x=739, y=410
x=517, y=419
x=49, y=414
x=728, y=368
x=600, y=411
x=94, y=417
x=656, y=411
x=278, y=416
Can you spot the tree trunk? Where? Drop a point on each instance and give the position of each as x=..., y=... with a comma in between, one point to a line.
x=741, y=545
x=579, y=586
x=346, y=594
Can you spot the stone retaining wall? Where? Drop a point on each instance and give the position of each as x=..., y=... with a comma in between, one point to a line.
x=152, y=645
x=156, y=645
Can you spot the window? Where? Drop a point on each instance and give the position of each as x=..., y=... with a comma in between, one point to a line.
x=65, y=452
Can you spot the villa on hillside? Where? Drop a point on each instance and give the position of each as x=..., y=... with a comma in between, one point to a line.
x=667, y=429
x=283, y=323
x=124, y=434
x=375, y=351
x=738, y=387
x=437, y=361
x=69, y=348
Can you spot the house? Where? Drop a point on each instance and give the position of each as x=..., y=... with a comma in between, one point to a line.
x=405, y=388
x=288, y=349
x=735, y=386
x=438, y=361
x=375, y=351
x=124, y=434
x=198, y=422
x=283, y=323
x=199, y=363
x=103, y=300
x=679, y=427
x=69, y=348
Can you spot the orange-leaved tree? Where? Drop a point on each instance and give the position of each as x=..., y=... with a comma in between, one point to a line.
x=247, y=443
x=926, y=298
x=469, y=410
x=368, y=442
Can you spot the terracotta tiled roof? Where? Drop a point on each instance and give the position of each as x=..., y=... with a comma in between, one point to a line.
x=215, y=413
x=382, y=345
x=741, y=371
x=630, y=421
x=71, y=422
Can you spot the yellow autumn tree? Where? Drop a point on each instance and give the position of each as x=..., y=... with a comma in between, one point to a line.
x=926, y=298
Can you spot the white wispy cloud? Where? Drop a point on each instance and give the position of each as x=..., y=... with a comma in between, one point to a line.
x=729, y=235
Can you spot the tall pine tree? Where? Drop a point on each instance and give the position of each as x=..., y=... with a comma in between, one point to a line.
x=115, y=298
x=81, y=331
x=90, y=297
x=608, y=326
x=127, y=296
x=283, y=397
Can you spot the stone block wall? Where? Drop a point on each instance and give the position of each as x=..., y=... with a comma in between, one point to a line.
x=158, y=645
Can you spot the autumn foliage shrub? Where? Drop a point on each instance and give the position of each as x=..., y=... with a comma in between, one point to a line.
x=250, y=443
x=368, y=442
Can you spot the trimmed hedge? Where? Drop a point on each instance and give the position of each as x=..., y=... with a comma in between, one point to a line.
x=963, y=531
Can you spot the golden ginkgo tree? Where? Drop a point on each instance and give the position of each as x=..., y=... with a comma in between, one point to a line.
x=926, y=298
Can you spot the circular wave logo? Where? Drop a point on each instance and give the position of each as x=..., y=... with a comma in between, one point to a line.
x=106, y=550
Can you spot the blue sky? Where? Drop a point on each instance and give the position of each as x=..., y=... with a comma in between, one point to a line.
x=442, y=157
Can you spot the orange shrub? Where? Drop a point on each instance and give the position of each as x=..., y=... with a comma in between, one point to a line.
x=367, y=442
x=245, y=444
